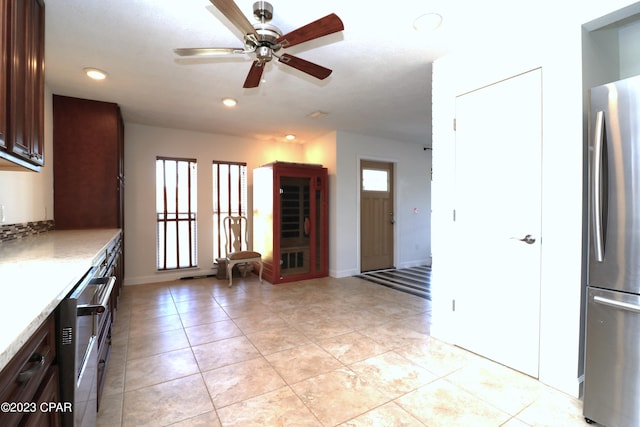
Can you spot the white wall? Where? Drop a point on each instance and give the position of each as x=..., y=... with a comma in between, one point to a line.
x=550, y=38
x=28, y=196
x=413, y=190
x=630, y=49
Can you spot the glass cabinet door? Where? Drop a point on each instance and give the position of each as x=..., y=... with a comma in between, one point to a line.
x=296, y=234
x=320, y=257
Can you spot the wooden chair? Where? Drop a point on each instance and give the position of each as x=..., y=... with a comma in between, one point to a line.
x=236, y=231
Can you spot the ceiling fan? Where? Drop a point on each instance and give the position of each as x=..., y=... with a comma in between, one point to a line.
x=264, y=40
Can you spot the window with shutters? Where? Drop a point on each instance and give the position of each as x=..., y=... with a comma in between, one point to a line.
x=176, y=213
x=229, y=199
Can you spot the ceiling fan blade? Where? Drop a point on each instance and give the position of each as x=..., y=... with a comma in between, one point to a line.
x=207, y=51
x=328, y=25
x=233, y=13
x=310, y=68
x=254, y=76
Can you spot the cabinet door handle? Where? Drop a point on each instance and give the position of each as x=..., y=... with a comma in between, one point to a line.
x=26, y=375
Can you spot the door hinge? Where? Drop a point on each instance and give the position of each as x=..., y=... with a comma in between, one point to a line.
x=453, y=305
x=454, y=124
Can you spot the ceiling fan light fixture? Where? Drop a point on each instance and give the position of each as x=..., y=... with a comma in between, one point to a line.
x=229, y=102
x=428, y=22
x=290, y=137
x=95, y=73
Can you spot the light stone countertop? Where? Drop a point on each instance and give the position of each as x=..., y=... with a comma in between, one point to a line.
x=36, y=273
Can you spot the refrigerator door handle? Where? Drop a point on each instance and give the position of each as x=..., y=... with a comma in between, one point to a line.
x=596, y=197
x=616, y=304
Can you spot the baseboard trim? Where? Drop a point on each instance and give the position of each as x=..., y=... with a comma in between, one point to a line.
x=166, y=276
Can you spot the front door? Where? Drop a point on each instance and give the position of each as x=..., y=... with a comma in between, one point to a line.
x=376, y=215
x=498, y=220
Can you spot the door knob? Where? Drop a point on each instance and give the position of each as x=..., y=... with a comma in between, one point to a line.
x=528, y=239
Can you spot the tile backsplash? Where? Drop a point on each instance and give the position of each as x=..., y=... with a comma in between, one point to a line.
x=18, y=231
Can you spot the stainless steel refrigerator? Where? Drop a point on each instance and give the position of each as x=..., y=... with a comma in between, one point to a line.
x=612, y=346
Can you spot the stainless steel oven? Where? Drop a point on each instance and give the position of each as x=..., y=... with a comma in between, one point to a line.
x=79, y=318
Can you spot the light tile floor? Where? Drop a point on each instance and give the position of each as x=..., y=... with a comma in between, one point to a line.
x=325, y=352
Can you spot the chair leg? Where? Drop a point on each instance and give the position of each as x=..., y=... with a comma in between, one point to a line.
x=229, y=268
x=244, y=269
x=260, y=274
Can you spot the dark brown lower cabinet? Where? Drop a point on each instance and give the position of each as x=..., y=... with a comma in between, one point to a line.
x=30, y=380
x=113, y=261
x=48, y=405
x=104, y=351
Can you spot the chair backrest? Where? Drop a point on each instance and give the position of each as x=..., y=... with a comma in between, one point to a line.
x=236, y=234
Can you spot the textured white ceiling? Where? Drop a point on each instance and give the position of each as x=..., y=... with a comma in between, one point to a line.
x=381, y=67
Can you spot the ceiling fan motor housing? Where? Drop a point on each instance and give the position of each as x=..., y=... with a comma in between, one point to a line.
x=266, y=42
x=263, y=11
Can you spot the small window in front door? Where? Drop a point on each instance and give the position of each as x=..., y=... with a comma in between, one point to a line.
x=375, y=180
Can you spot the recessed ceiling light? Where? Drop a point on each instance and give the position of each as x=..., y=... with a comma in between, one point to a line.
x=229, y=102
x=427, y=22
x=317, y=114
x=95, y=74
x=290, y=137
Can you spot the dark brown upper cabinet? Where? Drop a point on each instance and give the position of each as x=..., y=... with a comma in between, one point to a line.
x=4, y=53
x=22, y=82
x=88, y=164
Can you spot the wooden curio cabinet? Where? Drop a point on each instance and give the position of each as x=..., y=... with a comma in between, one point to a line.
x=290, y=221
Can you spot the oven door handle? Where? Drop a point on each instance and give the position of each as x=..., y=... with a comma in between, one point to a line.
x=101, y=307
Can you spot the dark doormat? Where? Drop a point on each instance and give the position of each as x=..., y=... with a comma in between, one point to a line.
x=414, y=280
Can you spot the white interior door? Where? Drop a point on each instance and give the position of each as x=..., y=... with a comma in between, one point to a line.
x=498, y=202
